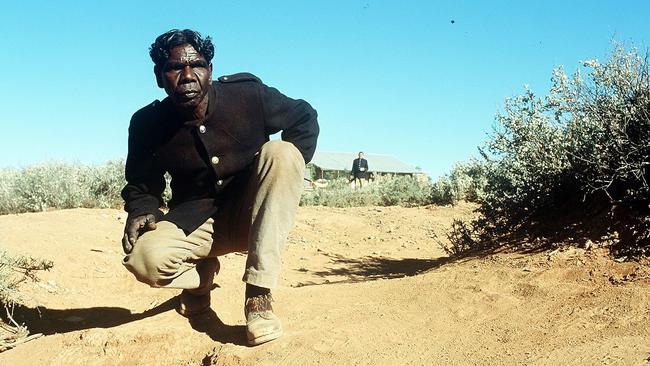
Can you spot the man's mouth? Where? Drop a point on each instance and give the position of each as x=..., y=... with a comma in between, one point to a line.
x=188, y=94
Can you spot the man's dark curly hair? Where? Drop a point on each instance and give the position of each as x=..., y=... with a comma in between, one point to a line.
x=160, y=49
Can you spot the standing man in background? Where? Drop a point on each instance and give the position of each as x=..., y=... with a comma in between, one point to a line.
x=232, y=188
x=359, y=169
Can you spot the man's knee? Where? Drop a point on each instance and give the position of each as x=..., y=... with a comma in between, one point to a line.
x=152, y=265
x=282, y=153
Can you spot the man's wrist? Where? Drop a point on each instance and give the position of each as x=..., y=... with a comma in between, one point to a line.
x=157, y=214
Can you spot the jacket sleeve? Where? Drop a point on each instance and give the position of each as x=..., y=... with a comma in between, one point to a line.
x=294, y=117
x=145, y=182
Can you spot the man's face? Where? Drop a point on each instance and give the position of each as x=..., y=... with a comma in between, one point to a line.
x=360, y=155
x=186, y=77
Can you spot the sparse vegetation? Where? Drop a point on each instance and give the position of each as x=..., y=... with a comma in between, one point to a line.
x=64, y=185
x=387, y=191
x=60, y=185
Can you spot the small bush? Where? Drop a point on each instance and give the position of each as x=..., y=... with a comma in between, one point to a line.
x=462, y=238
x=14, y=270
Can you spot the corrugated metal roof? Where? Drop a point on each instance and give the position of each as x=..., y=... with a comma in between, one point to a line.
x=328, y=160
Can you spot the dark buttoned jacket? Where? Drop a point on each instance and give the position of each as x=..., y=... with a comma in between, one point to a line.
x=209, y=158
x=357, y=164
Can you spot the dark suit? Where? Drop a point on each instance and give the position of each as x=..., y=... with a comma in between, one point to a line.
x=211, y=158
x=359, y=168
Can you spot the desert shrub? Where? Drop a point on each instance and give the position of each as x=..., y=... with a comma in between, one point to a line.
x=60, y=185
x=38, y=188
x=444, y=191
x=585, y=146
x=15, y=269
x=525, y=162
x=465, y=182
x=105, y=183
x=402, y=191
x=608, y=125
x=337, y=193
x=462, y=237
x=9, y=202
x=385, y=191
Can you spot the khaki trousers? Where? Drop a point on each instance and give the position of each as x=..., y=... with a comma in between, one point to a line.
x=259, y=221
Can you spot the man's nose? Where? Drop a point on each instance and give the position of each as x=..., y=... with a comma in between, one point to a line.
x=187, y=74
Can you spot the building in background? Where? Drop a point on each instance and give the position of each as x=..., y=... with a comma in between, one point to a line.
x=332, y=165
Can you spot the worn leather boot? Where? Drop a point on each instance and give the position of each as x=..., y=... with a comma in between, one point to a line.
x=261, y=324
x=197, y=301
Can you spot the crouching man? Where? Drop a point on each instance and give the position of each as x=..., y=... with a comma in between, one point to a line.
x=232, y=188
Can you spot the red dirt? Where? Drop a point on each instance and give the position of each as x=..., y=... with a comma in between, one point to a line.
x=360, y=286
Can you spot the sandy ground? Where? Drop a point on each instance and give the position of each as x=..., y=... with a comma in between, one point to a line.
x=361, y=286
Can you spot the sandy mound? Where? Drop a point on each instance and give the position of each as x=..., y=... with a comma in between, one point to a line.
x=361, y=286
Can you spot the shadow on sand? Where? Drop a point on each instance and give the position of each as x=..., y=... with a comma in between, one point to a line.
x=210, y=324
x=51, y=321
x=372, y=268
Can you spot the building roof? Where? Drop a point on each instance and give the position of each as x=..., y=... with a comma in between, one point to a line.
x=328, y=160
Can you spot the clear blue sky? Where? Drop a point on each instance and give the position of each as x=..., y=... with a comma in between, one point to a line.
x=388, y=77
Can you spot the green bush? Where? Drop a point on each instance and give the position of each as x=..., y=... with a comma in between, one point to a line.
x=526, y=162
x=385, y=191
x=608, y=125
x=585, y=146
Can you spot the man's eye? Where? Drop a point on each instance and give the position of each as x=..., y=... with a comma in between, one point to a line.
x=173, y=67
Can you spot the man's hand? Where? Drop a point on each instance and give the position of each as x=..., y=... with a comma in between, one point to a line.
x=134, y=227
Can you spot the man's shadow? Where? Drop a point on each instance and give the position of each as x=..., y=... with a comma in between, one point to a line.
x=210, y=324
x=52, y=321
